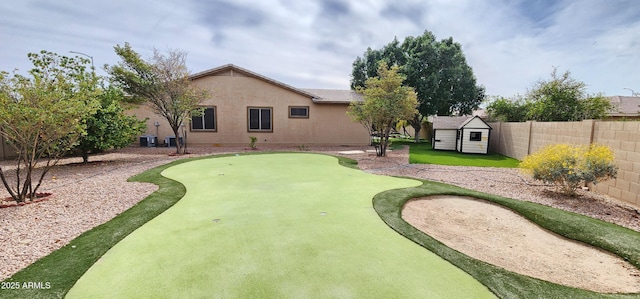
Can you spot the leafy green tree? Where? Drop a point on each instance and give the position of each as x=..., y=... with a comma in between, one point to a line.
x=162, y=82
x=109, y=127
x=437, y=70
x=594, y=107
x=563, y=98
x=422, y=70
x=42, y=116
x=508, y=110
x=386, y=101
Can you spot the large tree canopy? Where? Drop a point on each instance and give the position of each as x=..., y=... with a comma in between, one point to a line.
x=508, y=109
x=437, y=70
x=386, y=101
x=561, y=98
x=162, y=82
x=43, y=116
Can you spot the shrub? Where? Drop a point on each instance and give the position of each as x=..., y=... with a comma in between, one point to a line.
x=252, y=143
x=568, y=166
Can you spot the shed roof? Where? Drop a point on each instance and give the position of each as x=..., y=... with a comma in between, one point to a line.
x=453, y=122
x=625, y=106
x=449, y=122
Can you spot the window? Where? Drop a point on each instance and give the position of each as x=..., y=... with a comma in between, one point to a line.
x=299, y=112
x=260, y=119
x=206, y=121
x=475, y=136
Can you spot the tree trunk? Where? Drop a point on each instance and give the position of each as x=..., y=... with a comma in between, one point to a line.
x=85, y=156
x=404, y=129
x=6, y=185
x=176, y=133
x=384, y=141
x=416, y=123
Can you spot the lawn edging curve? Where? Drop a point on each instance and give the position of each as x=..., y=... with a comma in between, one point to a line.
x=57, y=272
x=503, y=283
x=63, y=267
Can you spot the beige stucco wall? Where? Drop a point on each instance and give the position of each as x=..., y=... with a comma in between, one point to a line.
x=231, y=94
x=6, y=151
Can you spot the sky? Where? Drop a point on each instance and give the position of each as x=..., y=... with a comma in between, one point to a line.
x=312, y=43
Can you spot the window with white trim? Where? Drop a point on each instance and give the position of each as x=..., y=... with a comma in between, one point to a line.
x=260, y=119
x=206, y=121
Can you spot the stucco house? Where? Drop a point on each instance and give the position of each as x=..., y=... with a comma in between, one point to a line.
x=465, y=134
x=245, y=104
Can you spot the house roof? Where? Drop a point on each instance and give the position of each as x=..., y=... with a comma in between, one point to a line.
x=625, y=106
x=453, y=122
x=322, y=96
x=335, y=96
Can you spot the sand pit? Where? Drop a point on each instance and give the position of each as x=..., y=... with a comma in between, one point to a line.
x=497, y=235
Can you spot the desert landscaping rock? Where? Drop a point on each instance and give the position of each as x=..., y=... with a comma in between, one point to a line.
x=85, y=196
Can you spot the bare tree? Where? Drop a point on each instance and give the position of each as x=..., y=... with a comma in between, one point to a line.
x=162, y=82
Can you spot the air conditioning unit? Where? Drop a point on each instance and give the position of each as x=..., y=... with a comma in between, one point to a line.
x=170, y=141
x=148, y=141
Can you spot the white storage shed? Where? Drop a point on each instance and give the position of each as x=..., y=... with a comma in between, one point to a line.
x=465, y=134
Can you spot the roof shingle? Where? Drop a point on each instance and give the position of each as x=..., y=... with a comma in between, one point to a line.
x=625, y=106
x=449, y=122
x=335, y=96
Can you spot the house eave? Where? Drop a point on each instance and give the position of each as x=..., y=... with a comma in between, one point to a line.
x=321, y=101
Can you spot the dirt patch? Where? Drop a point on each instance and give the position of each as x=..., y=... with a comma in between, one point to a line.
x=497, y=235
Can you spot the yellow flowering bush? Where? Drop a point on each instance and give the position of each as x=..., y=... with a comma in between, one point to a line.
x=568, y=166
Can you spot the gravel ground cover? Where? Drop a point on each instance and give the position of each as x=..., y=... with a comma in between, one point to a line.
x=85, y=196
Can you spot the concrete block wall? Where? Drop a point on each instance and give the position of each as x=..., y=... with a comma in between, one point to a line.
x=517, y=140
x=546, y=133
x=624, y=139
x=510, y=139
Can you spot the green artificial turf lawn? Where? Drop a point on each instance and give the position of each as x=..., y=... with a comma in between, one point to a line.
x=273, y=226
x=422, y=153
